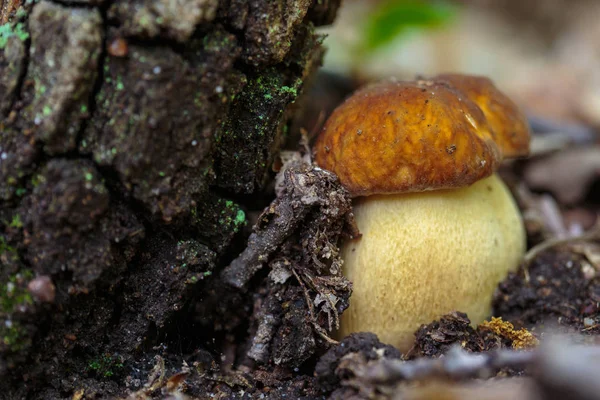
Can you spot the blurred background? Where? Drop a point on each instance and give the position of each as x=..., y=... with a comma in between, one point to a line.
x=545, y=54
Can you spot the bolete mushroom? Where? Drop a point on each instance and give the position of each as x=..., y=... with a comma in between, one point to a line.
x=439, y=228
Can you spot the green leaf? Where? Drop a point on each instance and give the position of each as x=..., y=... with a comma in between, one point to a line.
x=7, y=30
x=395, y=17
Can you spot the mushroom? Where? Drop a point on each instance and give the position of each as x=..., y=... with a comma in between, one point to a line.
x=439, y=228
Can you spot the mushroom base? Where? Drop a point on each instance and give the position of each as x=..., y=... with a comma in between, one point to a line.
x=422, y=255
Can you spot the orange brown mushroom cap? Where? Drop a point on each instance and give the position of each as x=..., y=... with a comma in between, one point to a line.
x=503, y=115
x=395, y=137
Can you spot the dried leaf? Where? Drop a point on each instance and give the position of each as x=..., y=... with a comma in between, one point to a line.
x=591, y=251
x=175, y=381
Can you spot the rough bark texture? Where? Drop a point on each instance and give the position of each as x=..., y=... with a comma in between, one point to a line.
x=134, y=138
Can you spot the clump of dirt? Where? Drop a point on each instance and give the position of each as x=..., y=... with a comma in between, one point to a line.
x=558, y=291
x=328, y=371
x=436, y=338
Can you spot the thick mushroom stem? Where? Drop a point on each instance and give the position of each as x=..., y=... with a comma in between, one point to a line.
x=422, y=255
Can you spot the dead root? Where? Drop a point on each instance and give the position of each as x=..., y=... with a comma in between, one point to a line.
x=296, y=236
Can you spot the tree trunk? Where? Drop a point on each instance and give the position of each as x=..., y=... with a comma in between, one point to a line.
x=136, y=138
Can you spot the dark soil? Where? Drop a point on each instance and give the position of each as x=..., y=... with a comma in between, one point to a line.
x=558, y=292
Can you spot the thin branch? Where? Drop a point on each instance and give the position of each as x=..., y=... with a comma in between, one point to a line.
x=549, y=359
x=456, y=364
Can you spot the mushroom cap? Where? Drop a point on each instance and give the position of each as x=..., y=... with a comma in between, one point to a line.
x=422, y=255
x=506, y=120
x=398, y=137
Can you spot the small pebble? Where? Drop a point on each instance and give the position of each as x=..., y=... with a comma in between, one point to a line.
x=42, y=289
x=118, y=48
x=588, y=322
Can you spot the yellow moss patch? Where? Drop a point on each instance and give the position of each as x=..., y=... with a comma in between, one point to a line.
x=521, y=339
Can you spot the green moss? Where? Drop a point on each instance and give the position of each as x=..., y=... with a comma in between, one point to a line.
x=217, y=41
x=14, y=293
x=195, y=278
x=266, y=90
x=16, y=222
x=14, y=336
x=8, y=30
x=37, y=179
x=5, y=248
x=291, y=90
x=229, y=217
x=232, y=215
x=240, y=218
x=13, y=297
x=254, y=124
x=106, y=365
x=144, y=21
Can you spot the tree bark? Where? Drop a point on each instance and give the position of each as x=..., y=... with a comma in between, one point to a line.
x=135, y=137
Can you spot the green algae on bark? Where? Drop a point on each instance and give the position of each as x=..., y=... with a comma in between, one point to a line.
x=259, y=116
x=156, y=113
x=61, y=80
x=61, y=63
